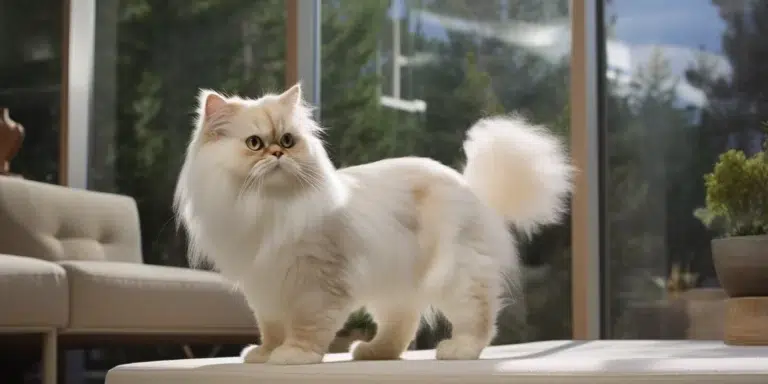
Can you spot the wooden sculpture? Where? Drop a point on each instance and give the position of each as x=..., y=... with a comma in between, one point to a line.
x=11, y=137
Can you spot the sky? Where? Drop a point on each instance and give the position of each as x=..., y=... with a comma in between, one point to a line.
x=690, y=23
x=678, y=23
x=678, y=27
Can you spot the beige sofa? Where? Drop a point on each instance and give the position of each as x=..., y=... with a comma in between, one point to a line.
x=71, y=271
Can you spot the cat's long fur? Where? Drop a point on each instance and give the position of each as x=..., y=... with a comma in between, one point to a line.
x=308, y=243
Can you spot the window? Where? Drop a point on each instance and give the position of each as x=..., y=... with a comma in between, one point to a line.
x=151, y=59
x=31, y=75
x=683, y=83
x=408, y=77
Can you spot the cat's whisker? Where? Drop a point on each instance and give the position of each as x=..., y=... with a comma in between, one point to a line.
x=315, y=182
x=247, y=183
x=302, y=180
x=259, y=184
x=243, y=187
x=305, y=174
x=309, y=169
x=311, y=177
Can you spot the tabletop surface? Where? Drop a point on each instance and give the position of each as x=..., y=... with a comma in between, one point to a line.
x=570, y=361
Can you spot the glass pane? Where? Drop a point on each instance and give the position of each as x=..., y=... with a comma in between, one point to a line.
x=31, y=34
x=152, y=57
x=684, y=83
x=408, y=77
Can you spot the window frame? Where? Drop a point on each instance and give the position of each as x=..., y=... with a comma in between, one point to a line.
x=303, y=56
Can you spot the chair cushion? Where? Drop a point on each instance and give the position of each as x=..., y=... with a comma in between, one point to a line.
x=54, y=223
x=33, y=293
x=551, y=362
x=126, y=297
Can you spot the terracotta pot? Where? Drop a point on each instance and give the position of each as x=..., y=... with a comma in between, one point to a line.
x=741, y=264
x=746, y=321
x=11, y=136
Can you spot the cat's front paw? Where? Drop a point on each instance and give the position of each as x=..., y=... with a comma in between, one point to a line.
x=254, y=354
x=291, y=355
x=458, y=349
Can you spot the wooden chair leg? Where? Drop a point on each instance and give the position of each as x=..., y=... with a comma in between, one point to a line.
x=50, y=357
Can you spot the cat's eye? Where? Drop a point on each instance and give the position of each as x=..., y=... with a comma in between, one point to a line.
x=287, y=140
x=254, y=143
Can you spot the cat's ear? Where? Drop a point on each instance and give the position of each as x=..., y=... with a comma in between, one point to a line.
x=291, y=97
x=211, y=103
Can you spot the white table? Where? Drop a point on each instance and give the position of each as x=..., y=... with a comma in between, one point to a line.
x=556, y=362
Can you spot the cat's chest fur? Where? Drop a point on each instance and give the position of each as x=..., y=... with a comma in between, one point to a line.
x=257, y=234
x=280, y=263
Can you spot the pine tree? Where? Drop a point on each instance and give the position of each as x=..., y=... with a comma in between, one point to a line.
x=648, y=157
x=166, y=51
x=737, y=104
x=359, y=129
x=473, y=76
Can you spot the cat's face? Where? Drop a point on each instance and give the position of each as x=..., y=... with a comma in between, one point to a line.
x=267, y=145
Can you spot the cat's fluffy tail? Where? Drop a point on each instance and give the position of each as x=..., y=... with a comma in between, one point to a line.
x=519, y=169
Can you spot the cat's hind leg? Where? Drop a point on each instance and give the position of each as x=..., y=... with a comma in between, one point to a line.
x=471, y=309
x=396, y=326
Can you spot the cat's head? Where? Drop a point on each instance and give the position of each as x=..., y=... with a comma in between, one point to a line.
x=269, y=145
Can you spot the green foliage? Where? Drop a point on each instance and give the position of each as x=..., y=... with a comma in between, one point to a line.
x=737, y=194
x=148, y=72
x=640, y=167
x=359, y=130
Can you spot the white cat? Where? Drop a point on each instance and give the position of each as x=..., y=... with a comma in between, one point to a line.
x=308, y=244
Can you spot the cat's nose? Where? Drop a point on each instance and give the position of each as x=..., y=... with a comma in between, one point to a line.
x=277, y=154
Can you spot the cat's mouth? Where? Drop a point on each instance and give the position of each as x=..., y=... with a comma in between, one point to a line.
x=275, y=169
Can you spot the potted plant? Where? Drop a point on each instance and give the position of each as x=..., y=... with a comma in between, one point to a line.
x=737, y=209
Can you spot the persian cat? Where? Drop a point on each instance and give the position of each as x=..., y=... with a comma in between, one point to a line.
x=308, y=244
